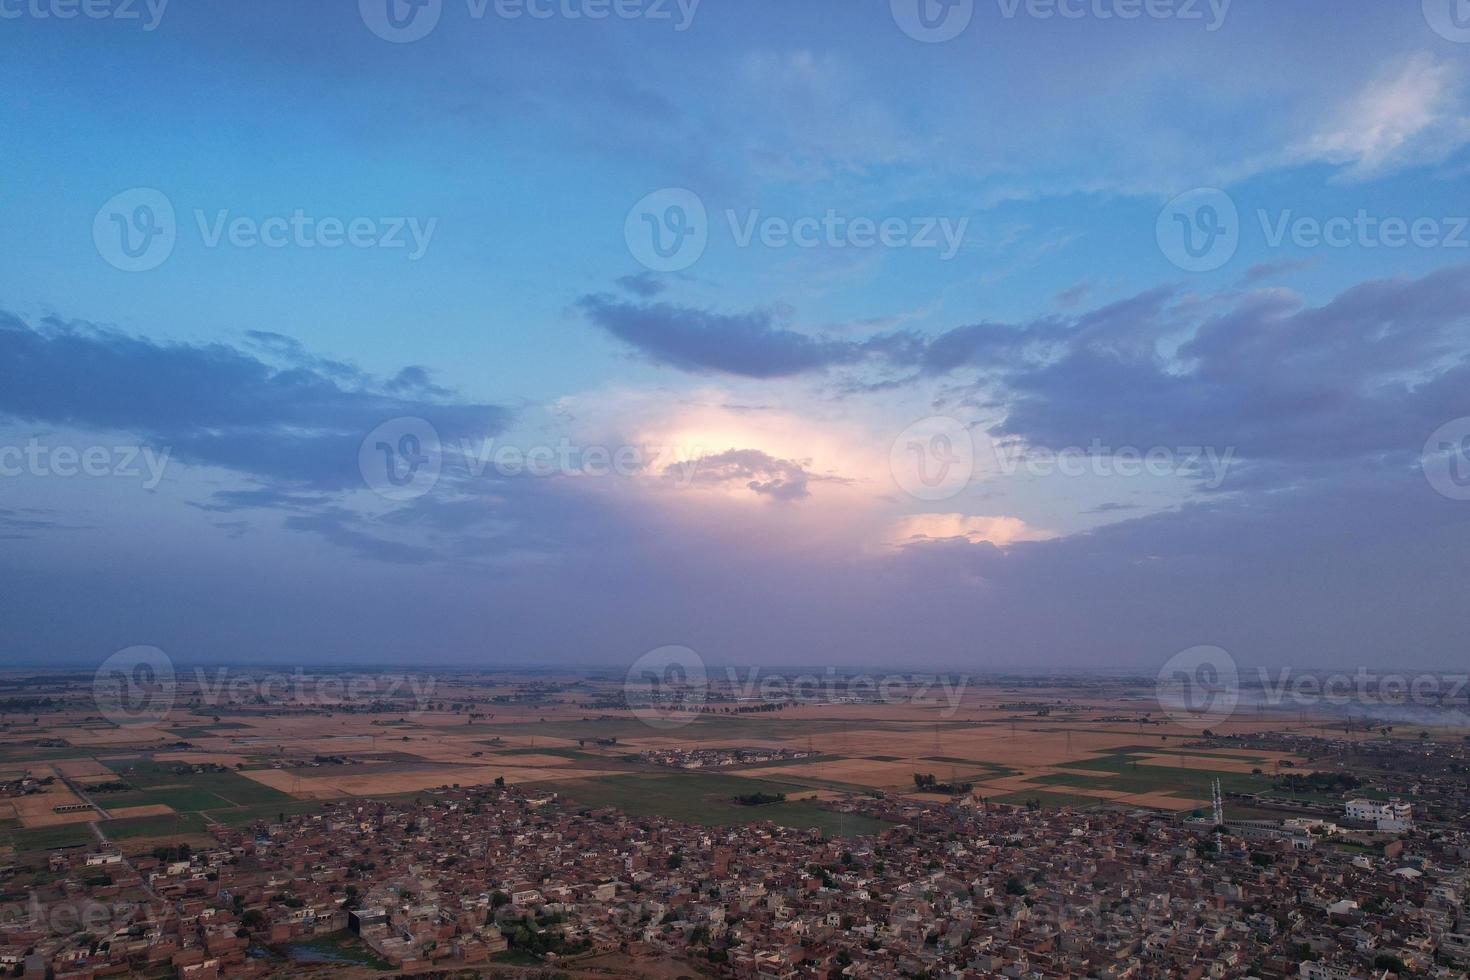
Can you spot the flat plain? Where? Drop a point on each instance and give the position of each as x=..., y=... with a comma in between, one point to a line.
x=201, y=757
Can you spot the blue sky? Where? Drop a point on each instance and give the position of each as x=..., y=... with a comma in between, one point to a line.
x=1032, y=294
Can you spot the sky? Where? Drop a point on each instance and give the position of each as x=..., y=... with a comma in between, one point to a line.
x=953, y=334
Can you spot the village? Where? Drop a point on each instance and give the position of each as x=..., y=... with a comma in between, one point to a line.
x=464, y=878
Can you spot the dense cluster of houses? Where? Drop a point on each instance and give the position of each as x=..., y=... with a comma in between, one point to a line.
x=460, y=877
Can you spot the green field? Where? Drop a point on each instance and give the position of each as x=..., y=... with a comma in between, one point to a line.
x=43, y=838
x=1048, y=800
x=169, y=825
x=706, y=799
x=191, y=792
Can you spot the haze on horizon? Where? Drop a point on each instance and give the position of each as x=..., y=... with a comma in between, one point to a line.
x=790, y=333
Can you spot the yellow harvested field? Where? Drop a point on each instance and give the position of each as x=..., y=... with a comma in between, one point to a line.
x=114, y=736
x=37, y=810
x=151, y=810
x=382, y=783
x=82, y=769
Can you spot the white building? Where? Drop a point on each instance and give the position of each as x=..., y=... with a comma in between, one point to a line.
x=1312, y=970
x=1392, y=817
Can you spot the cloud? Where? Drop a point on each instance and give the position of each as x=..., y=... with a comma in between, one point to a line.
x=750, y=344
x=760, y=473
x=1073, y=295
x=299, y=424
x=1262, y=271
x=1365, y=376
x=645, y=285
x=1001, y=532
x=21, y=523
x=1110, y=507
x=1412, y=115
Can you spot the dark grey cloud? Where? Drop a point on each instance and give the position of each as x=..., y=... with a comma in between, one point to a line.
x=643, y=284
x=749, y=344
x=1372, y=372
x=1111, y=507
x=284, y=416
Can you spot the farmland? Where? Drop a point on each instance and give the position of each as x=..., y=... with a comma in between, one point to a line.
x=202, y=762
